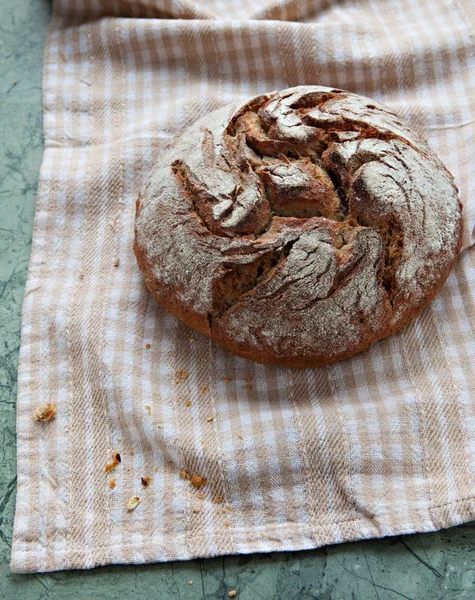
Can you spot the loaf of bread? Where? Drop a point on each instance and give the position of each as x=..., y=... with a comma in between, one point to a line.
x=299, y=227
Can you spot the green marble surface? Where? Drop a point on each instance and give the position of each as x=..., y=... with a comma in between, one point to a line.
x=429, y=566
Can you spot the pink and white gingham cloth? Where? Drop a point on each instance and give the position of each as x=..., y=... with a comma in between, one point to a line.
x=377, y=445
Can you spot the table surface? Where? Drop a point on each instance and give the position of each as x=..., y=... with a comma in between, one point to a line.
x=421, y=566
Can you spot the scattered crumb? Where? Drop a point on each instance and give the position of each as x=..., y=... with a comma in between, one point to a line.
x=205, y=447
x=190, y=582
x=145, y=481
x=188, y=403
x=204, y=389
x=263, y=534
x=14, y=83
x=196, y=510
x=159, y=426
x=81, y=275
x=200, y=496
x=217, y=499
x=133, y=502
x=184, y=474
x=192, y=339
x=240, y=436
x=227, y=379
x=45, y=412
x=148, y=409
x=230, y=508
x=232, y=593
x=117, y=262
x=115, y=461
x=197, y=480
x=218, y=512
x=210, y=419
x=248, y=379
x=248, y=387
x=181, y=376
x=148, y=346
x=156, y=469
x=227, y=524
x=112, y=483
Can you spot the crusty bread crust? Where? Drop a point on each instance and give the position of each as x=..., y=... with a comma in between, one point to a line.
x=298, y=228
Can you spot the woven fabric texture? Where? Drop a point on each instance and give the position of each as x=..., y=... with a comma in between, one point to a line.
x=377, y=445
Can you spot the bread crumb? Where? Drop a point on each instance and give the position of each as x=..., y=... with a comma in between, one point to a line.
x=159, y=425
x=227, y=379
x=133, y=503
x=148, y=409
x=117, y=262
x=229, y=508
x=205, y=448
x=45, y=413
x=196, y=510
x=248, y=379
x=200, y=496
x=248, y=387
x=156, y=469
x=240, y=436
x=227, y=524
x=188, y=403
x=112, y=483
x=217, y=499
x=148, y=346
x=181, y=376
x=115, y=461
x=204, y=389
x=232, y=593
x=210, y=419
x=197, y=480
x=184, y=474
x=145, y=481
x=192, y=339
x=190, y=582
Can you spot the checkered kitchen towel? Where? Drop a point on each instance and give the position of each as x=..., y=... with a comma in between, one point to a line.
x=377, y=445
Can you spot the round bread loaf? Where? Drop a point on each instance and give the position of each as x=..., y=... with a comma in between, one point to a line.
x=299, y=227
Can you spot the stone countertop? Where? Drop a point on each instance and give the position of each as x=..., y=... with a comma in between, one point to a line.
x=431, y=566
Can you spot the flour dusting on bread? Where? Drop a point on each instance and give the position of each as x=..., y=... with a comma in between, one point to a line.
x=299, y=227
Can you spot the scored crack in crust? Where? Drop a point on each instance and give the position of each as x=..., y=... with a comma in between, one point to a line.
x=298, y=228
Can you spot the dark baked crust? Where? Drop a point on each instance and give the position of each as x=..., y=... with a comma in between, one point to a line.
x=298, y=228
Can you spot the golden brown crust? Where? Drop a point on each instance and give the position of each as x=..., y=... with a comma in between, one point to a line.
x=299, y=227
